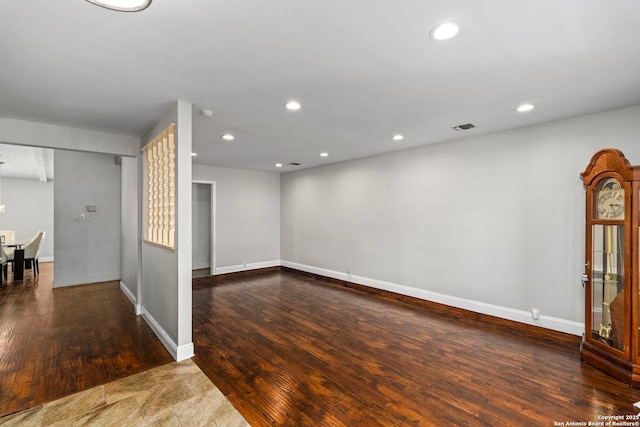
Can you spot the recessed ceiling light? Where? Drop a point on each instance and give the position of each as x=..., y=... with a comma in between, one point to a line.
x=324, y=154
x=278, y=165
x=228, y=137
x=194, y=154
x=397, y=137
x=293, y=105
x=206, y=113
x=444, y=31
x=122, y=5
x=525, y=107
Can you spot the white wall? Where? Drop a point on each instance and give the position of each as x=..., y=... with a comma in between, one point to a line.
x=201, y=226
x=491, y=223
x=29, y=208
x=129, y=234
x=247, y=217
x=86, y=250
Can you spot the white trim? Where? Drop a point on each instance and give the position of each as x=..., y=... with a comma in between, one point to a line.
x=137, y=307
x=214, y=232
x=212, y=262
x=247, y=267
x=521, y=316
x=178, y=353
x=140, y=225
x=185, y=352
x=45, y=259
x=200, y=265
x=127, y=292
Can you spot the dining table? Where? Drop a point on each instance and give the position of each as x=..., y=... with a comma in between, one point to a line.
x=18, y=257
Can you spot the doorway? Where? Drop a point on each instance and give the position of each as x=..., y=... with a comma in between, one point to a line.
x=203, y=194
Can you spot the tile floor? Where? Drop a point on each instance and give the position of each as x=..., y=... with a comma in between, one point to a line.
x=176, y=394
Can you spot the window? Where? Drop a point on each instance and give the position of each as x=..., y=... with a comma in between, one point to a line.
x=160, y=183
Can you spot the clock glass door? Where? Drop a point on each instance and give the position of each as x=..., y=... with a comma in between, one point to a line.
x=607, y=290
x=611, y=341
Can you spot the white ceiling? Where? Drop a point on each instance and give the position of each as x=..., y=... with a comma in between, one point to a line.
x=362, y=69
x=26, y=162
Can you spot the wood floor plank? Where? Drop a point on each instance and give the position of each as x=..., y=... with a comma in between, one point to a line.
x=56, y=342
x=289, y=350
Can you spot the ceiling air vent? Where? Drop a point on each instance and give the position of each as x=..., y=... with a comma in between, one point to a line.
x=465, y=126
x=293, y=164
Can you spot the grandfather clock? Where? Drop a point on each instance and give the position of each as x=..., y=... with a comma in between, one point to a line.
x=612, y=304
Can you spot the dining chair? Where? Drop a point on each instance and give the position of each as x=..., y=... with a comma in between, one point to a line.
x=32, y=250
x=3, y=260
x=6, y=257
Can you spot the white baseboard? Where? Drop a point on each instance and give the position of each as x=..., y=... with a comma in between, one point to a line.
x=132, y=298
x=125, y=290
x=185, y=352
x=177, y=352
x=247, y=266
x=548, y=322
x=200, y=265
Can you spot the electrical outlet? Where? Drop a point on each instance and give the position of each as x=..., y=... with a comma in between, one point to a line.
x=535, y=313
x=349, y=273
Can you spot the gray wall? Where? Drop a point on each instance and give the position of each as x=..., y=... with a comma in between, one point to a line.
x=29, y=208
x=129, y=235
x=22, y=132
x=492, y=223
x=201, y=226
x=86, y=250
x=166, y=274
x=247, y=217
x=164, y=287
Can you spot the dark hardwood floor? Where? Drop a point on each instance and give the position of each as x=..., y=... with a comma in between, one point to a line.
x=55, y=342
x=288, y=350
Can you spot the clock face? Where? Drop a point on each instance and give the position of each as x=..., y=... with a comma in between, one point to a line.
x=611, y=200
x=610, y=204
